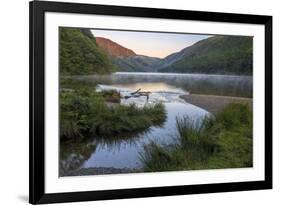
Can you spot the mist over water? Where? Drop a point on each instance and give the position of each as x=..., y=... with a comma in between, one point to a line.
x=224, y=85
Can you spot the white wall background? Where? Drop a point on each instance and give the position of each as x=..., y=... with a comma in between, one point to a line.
x=14, y=100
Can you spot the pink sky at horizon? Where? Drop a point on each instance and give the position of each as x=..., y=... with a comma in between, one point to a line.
x=151, y=44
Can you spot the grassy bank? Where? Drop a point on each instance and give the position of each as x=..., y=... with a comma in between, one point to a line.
x=85, y=113
x=223, y=141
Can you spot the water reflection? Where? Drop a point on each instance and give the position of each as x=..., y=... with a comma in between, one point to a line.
x=126, y=154
x=73, y=155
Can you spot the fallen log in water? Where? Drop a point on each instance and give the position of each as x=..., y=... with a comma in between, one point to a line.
x=138, y=93
x=135, y=91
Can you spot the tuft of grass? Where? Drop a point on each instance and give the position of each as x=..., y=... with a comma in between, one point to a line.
x=223, y=141
x=122, y=119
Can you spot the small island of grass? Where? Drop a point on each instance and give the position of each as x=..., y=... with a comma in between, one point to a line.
x=86, y=113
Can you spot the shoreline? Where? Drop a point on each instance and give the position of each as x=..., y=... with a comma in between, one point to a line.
x=100, y=171
x=214, y=103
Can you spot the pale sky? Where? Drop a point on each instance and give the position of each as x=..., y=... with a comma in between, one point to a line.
x=150, y=44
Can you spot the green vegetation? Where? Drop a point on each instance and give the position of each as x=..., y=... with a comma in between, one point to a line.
x=86, y=113
x=79, y=54
x=223, y=141
x=137, y=64
x=218, y=54
x=126, y=119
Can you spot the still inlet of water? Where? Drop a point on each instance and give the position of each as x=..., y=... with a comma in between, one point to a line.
x=125, y=153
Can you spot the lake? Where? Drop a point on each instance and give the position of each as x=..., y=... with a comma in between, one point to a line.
x=166, y=88
x=224, y=85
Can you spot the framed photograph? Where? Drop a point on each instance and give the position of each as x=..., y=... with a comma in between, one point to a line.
x=140, y=102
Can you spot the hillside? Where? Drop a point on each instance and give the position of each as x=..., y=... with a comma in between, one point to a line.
x=79, y=54
x=218, y=55
x=137, y=63
x=114, y=49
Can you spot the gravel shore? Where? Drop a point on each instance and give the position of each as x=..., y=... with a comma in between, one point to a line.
x=213, y=103
x=101, y=171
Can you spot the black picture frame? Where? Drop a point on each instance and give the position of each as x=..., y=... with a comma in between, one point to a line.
x=37, y=9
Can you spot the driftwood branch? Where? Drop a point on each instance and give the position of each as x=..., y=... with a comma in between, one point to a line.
x=135, y=91
x=138, y=93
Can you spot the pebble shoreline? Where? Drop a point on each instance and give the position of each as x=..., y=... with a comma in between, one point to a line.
x=213, y=103
x=100, y=171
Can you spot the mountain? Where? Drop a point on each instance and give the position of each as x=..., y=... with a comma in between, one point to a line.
x=80, y=55
x=125, y=59
x=114, y=49
x=216, y=55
